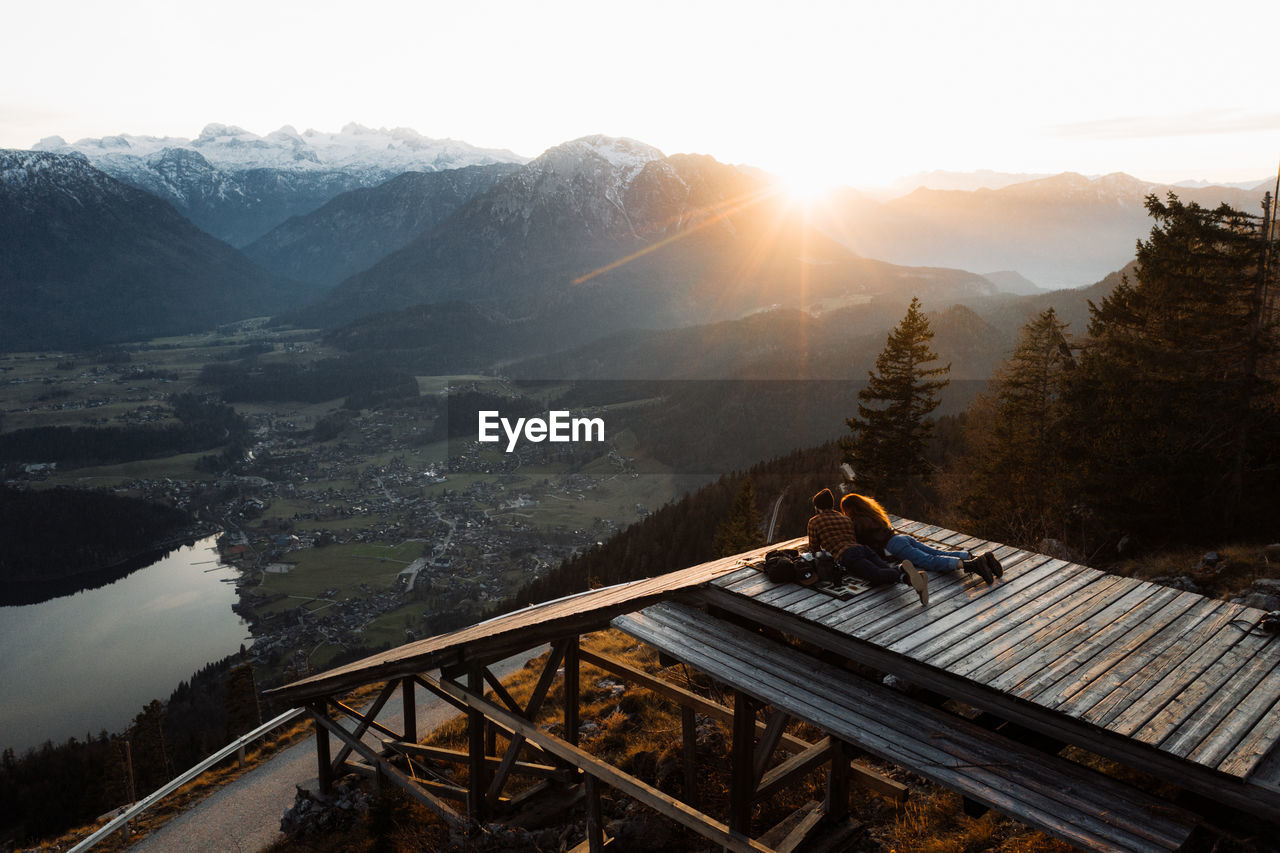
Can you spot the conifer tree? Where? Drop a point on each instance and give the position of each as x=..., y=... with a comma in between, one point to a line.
x=890, y=431
x=1017, y=483
x=243, y=714
x=1174, y=409
x=150, y=755
x=741, y=531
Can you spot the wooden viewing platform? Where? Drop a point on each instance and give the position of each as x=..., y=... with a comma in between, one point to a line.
x=1182, y=688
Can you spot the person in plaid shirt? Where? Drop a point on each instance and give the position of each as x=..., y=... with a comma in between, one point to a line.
x=833, y=532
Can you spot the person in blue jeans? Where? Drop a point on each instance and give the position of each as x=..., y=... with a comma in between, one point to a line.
x=872, y=525
x=831, y=531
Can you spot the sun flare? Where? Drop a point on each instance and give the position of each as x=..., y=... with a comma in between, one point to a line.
x=805, y=186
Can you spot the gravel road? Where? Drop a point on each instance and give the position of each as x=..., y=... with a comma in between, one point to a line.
x=244, y=816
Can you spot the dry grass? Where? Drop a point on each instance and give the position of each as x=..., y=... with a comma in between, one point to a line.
x=933, y=821
x=1242, y=564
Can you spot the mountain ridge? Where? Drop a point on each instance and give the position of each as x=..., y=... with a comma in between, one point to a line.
x=86, y=259
x=238, y=186
x=614, y=231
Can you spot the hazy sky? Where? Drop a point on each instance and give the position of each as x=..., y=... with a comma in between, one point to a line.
x=860, y=92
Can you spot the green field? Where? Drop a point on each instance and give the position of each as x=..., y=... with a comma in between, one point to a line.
x=179, y=467
x=338, y=567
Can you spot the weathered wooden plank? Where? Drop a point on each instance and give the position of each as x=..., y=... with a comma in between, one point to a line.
x=1237, y=702
x=886, y=598
x=1141, y=647
x=1100, y=636
x=753, y=585
x=822, y=609
x=923, y=638
x=993, y=659
x=1252, y=799
x=1022, y=609
x=1257, y=756
x=884, y=714
x=806, y=605
x=1193, y=689
x=734, y=577
x=780, y=598
x=946, y=592
x=826, y=695
x=961, y=593
x=1173, y=663
x=1222, y=746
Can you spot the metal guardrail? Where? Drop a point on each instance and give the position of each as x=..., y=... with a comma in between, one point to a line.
x=172, y=785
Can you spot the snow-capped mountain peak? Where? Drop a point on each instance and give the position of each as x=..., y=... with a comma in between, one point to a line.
x=238, y=185
x=232, y=148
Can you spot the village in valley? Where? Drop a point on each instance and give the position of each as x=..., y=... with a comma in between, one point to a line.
x=364, y=540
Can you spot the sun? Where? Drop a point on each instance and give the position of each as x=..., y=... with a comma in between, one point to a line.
x=805, y=186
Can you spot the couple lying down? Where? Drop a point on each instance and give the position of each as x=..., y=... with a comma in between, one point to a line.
x=861, y=538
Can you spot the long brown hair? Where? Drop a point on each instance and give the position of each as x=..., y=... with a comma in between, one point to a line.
x=862, y=507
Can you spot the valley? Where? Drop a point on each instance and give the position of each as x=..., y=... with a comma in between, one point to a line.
x=349, y=529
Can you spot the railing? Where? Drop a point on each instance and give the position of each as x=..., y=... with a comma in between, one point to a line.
x=169, y=787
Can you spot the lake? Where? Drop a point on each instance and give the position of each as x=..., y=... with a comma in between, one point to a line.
x=82, y=663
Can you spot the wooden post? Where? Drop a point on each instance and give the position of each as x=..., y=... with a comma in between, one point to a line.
x=571, y=691
x=837, y=805
x=742, y=783
x=324, y=769
x=410, y=710
x=595, y=824
x=689, y=733
x=476, y=806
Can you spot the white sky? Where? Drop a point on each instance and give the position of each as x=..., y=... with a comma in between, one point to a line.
x=860, y=92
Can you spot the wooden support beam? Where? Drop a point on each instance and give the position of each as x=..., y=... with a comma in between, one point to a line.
x=393, y=773
x=431, y=688
x=837, y=802
x=410, y=702
x=571, y=690
x=457, y=756
x=595, y=824
x=794, y=767
x=768, y=743
x=476, y=769
x=703, y=824
x=742, y=781
x=530, y=713
x=501, y=692
x=366, y=719
x=795, y=828
x=689, y=738
x=324, y=771
x=865, y=776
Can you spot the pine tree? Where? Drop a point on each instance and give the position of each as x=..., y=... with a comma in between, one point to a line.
x=1172, y=400
x=741, y=531
x=1017, y=484
x=241, y=700
x=890, y=432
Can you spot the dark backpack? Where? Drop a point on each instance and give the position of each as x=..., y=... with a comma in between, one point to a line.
x=782, y=565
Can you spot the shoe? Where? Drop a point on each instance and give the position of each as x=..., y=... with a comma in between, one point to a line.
x=918, y=581
x=978, y=566
x=993, y=564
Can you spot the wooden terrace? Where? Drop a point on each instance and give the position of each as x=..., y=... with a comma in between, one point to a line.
x=1179, y=687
